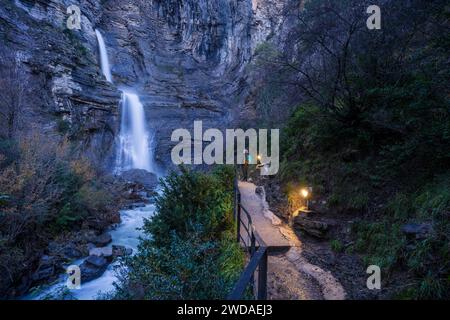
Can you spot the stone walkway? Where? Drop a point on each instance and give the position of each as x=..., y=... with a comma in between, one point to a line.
x=290, y=275
x=265, y=222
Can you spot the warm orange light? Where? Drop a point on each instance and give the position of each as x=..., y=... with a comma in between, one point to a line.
x=259, y=157
x=304, y=192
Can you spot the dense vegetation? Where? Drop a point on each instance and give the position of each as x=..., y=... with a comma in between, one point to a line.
x=189, y=251
x=370, y=128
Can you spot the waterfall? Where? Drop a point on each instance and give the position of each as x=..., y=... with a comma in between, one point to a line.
x=134, y=149
x=104, y=60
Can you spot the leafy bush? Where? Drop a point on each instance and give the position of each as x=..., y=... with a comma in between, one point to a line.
x=336, y=245
x=190, y=199
x=190, y=251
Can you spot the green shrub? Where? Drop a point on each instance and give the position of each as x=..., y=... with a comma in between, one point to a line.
x=382, y=240
x=188, y=268
x=190, y=199
x=80, y=195
x=231, y=259
x=336, y=245
x=190, y=251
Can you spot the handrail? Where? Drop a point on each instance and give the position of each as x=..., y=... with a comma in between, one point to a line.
x=258, y=258
x=247, y=276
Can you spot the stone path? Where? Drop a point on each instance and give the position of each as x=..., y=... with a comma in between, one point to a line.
x=290, y=275
x=265, y=222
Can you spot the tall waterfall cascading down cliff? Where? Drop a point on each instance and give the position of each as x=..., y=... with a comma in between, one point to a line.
x=134, y=149
x=104, y=60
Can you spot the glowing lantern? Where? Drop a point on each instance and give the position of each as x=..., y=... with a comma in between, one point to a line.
x=306, y=194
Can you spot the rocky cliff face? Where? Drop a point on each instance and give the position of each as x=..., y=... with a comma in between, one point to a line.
x=186, y=59
x=66, y=89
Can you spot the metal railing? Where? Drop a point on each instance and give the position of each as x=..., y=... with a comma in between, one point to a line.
x=256, y=248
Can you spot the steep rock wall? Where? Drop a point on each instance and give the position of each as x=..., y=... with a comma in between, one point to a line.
x=66, y=89
x=187, y=60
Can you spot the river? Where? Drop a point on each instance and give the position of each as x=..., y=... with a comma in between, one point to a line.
x=127, y=234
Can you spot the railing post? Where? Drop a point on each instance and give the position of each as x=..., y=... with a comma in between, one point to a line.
x=238, y=218
x=252, y=252
x=235, y=192
x=234, y=203
x=252, y=244
x=262, y=278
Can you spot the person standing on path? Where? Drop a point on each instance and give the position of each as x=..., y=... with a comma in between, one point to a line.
x=245, y=165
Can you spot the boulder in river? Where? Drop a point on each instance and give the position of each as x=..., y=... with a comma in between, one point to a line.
x=106, y=252
x=119, y=251
x=115, y=218
x=109, y=253
x=102, y=240
x=93, y=267
x=90, y=246
x=142, y=177
x=67, y=251
x=72, y=252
